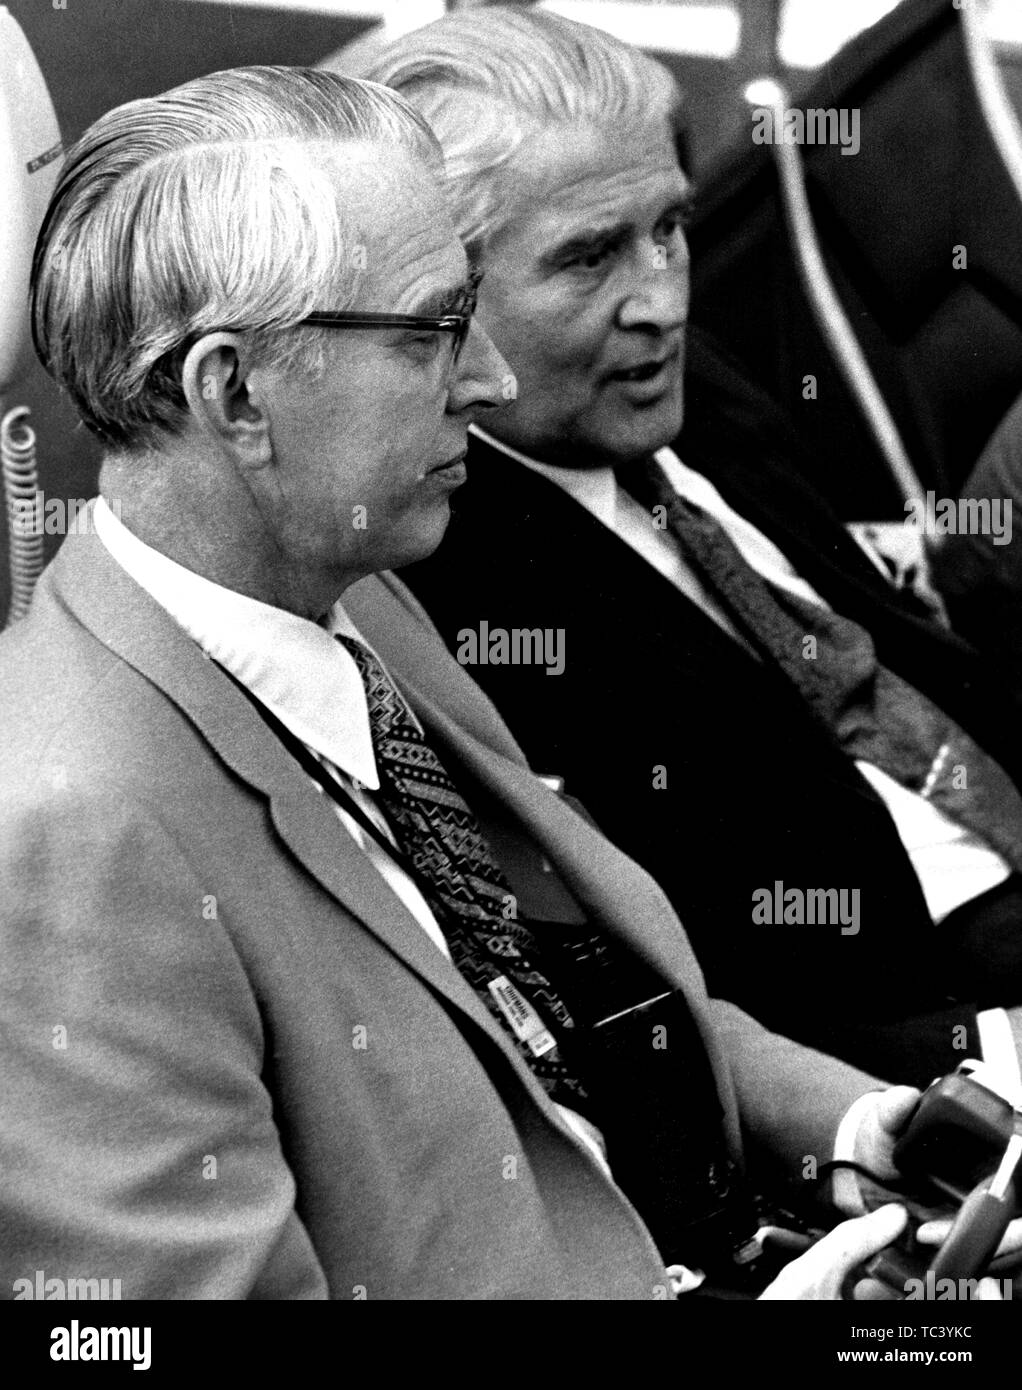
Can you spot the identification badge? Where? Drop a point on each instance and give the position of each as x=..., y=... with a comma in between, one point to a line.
x=522, y=1018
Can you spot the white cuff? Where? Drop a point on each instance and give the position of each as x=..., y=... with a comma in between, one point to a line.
x=998, y=1044
x=844, y=1183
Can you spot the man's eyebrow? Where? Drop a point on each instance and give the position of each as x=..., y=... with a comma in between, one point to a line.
x=589, y=240
x=436, y=303
x=614, y=233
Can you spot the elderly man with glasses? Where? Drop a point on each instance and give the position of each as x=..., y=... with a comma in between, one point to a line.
x=304, y=970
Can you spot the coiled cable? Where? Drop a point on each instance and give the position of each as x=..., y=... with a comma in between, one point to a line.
x=21, y=489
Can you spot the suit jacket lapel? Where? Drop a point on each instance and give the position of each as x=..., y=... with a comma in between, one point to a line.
x=774, y=500
x=962, y=681
x=595, y=571
x=121, y=615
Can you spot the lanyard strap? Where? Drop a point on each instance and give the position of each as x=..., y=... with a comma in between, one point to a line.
x=333, y=788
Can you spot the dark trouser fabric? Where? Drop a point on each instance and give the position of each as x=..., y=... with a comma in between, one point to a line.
x=982, y=941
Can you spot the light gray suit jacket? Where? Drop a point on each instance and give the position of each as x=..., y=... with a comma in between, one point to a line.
x=233, y=1064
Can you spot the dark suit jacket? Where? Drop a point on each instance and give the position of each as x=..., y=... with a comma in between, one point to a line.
x=233, y=1064
x=756, y=792
x=978, y=571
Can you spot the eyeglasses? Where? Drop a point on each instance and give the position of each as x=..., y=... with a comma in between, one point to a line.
x=457, y=321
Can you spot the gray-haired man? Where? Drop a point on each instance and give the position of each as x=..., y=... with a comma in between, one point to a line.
x=824, y=782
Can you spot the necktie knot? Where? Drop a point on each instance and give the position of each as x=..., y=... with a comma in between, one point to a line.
x=389, y=712
x=646, y=481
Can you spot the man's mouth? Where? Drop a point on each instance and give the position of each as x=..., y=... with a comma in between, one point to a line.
x=452, y=468
x=646, y=371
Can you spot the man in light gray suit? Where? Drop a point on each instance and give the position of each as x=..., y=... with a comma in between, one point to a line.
x=277, y=888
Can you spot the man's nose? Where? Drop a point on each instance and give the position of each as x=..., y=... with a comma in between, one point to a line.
x=482, y=379
x=657, y=294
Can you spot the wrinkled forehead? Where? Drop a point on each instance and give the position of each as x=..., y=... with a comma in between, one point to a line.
x=570, y=179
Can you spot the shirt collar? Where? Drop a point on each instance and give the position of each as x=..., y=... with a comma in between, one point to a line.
x=294, y=666
x=596, y=489
x=687, y=482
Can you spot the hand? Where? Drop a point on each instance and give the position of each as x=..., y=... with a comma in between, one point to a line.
x=820, y=1273
x=936, y=1232
x=884, y=1116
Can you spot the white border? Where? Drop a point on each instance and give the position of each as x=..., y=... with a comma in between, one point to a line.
x=701, y=30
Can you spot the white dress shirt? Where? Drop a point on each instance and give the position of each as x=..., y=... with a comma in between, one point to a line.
x=953, y=865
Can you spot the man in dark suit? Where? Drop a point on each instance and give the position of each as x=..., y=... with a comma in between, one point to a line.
x=292, y=936
x=686, y=634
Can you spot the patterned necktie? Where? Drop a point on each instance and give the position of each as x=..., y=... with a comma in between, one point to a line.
x=497, y=954
x=876, y=716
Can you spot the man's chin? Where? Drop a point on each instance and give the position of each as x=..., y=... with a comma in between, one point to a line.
x=425, y=539
x=643, y=433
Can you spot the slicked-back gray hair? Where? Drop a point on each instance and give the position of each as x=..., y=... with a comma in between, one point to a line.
x=211, y=206
x=488, y=79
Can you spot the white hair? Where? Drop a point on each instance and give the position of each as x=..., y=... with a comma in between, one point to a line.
x=487, y=80
x=211, y=206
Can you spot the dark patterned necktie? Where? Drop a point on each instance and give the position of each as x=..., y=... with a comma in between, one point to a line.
x=497, y=954
x=876, y=717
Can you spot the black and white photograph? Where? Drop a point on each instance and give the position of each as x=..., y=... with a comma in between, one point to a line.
x=510, y=674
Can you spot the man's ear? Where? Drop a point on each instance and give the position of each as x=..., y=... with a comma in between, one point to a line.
x=216, y=379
